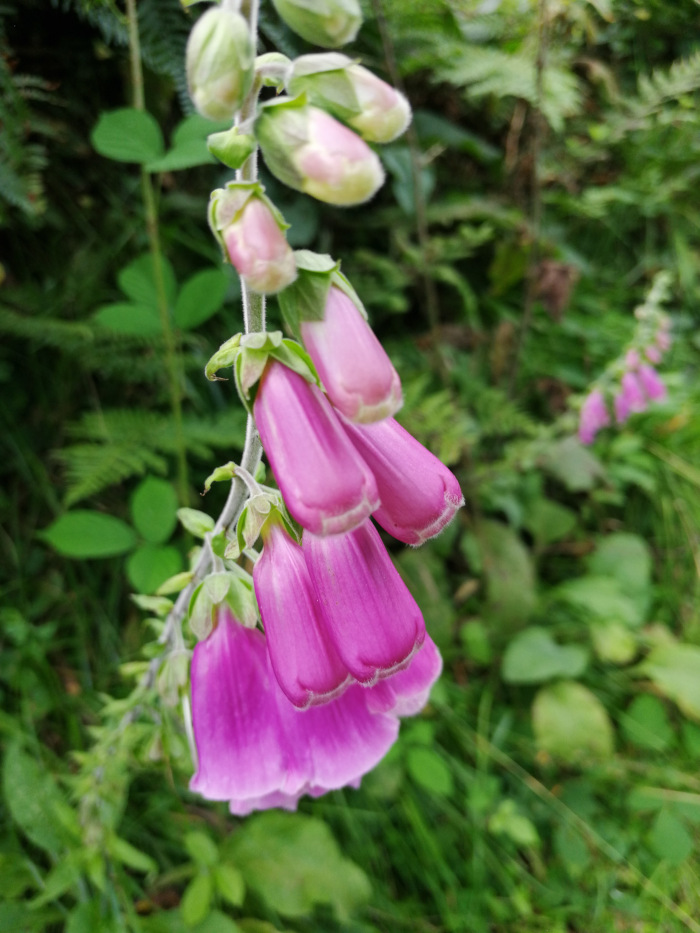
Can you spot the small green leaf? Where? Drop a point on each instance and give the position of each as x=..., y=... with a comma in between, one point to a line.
x=128, y=855
x=230, y=884
x=627, y=558
x=613, y=641
x=675, y=669
x=646, y=723
x=508, y=821
x=533, y=657
x=137, y=281
x=571, y=849
x=669, y=839
x=200, y=296
x=573, y=464
x=62, y=877
x=202, y=848
x=196, y=900
x=175, y=583
x=429, y=771
x=196, y=522
x=154, y=509
x=85, y=534
x=510, y=576
x=131, y=320
x=151, y=564
x=571, y=724
x=549, y=521
x=128, y=135
x=186, y=154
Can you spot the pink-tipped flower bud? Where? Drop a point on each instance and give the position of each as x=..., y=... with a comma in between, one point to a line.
x=312, y=152
x=259, y=249
x=328, y=23
x=594, y=416
x=220, y=62
x=631, y=398
x=325, y=484
x=653, y=354
x=419, y=495
x=652, y=383
x=663, y=340
x=351, y=93
x=356, y=373
x=632, y=359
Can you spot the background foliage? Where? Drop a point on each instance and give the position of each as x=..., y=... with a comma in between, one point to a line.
x=549, y=177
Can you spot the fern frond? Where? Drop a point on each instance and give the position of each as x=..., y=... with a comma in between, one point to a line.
x=90, y=468
x=664, y=85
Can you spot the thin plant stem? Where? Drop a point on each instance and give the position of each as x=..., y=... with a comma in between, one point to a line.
x=536, y=198
x=172, y=354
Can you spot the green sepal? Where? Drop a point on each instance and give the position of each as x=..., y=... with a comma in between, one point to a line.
x=305, y=299
x=231, y=147
x=226, y=586
x=260, y=512
x=156, y=604
x=175, y=584
x=272, y=69
x=218, y=543
x=334, y=92
x=277, y=151
x=225, y=356
x=227, y=471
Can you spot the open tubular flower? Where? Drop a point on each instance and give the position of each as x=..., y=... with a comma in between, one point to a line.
x=256, y=751
x=355, y=370
x=310, y=151
x=220, y=63
x=418, y=494
x=303, y=657
x=630, y=398
x=594, y=416
x=325, y=484
x=374, y=622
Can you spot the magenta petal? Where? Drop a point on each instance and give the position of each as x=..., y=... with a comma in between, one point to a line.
x=372, y=618
x=418, y=494
x=356, y=372
x=241, y=748
x=304, y=660
x=276, y=799
x=652, y=383
x=594, y=416
x=406, y=692
x=325, y=484
x=631, y=397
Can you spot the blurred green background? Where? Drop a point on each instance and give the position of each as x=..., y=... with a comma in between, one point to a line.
x=547, y=188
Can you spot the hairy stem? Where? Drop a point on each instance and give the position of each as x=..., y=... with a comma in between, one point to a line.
x=172, y=353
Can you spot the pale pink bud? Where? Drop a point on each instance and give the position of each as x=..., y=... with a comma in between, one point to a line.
x=356, y=373
x=259, y=249
x=632, y=359
x=652, y=383
x=419, y=495
x=594, y=416
x=384, y=112
x=653, y=354
x=220, y=63
x=325, y=484
x=663, y=340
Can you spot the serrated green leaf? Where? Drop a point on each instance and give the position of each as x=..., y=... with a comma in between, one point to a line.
x=85, y=534
x=128, y=135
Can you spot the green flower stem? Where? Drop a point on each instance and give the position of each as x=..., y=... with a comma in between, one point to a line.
x=172, y=353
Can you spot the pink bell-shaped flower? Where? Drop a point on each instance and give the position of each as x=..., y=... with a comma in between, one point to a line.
x=630, y=399
x=303, y=657
x=418, y=494
x=373, y=621
x=594, y=416
x=259, y=250
x=257, y=751
x=325, y=484
x=356, y=373
x=651, y=383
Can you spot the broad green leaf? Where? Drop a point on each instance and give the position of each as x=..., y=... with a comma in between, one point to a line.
x=669, y=839
x=85, y=534
x=646, y=723
x=200, y=296
x=186, y=154
x=533, y=657
x=571, y=849
x=154, y=509
x=62, y=877
x=128, y=135
x=35, y=802
x=137, y=281
x=600, y=598
x=548, y=521
x=127, y=854
x=151, y=565
x=429, y=771
x=510, y=577
x=196, y=900
x=508, y=821
x=573, y=464
x=84, y=918
x=194, y=127
x=571, y=724
x=627, y=558
x=20, y=918
x=132, y=320
x=293, y=863
x=613, y=641
x=675, y=670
